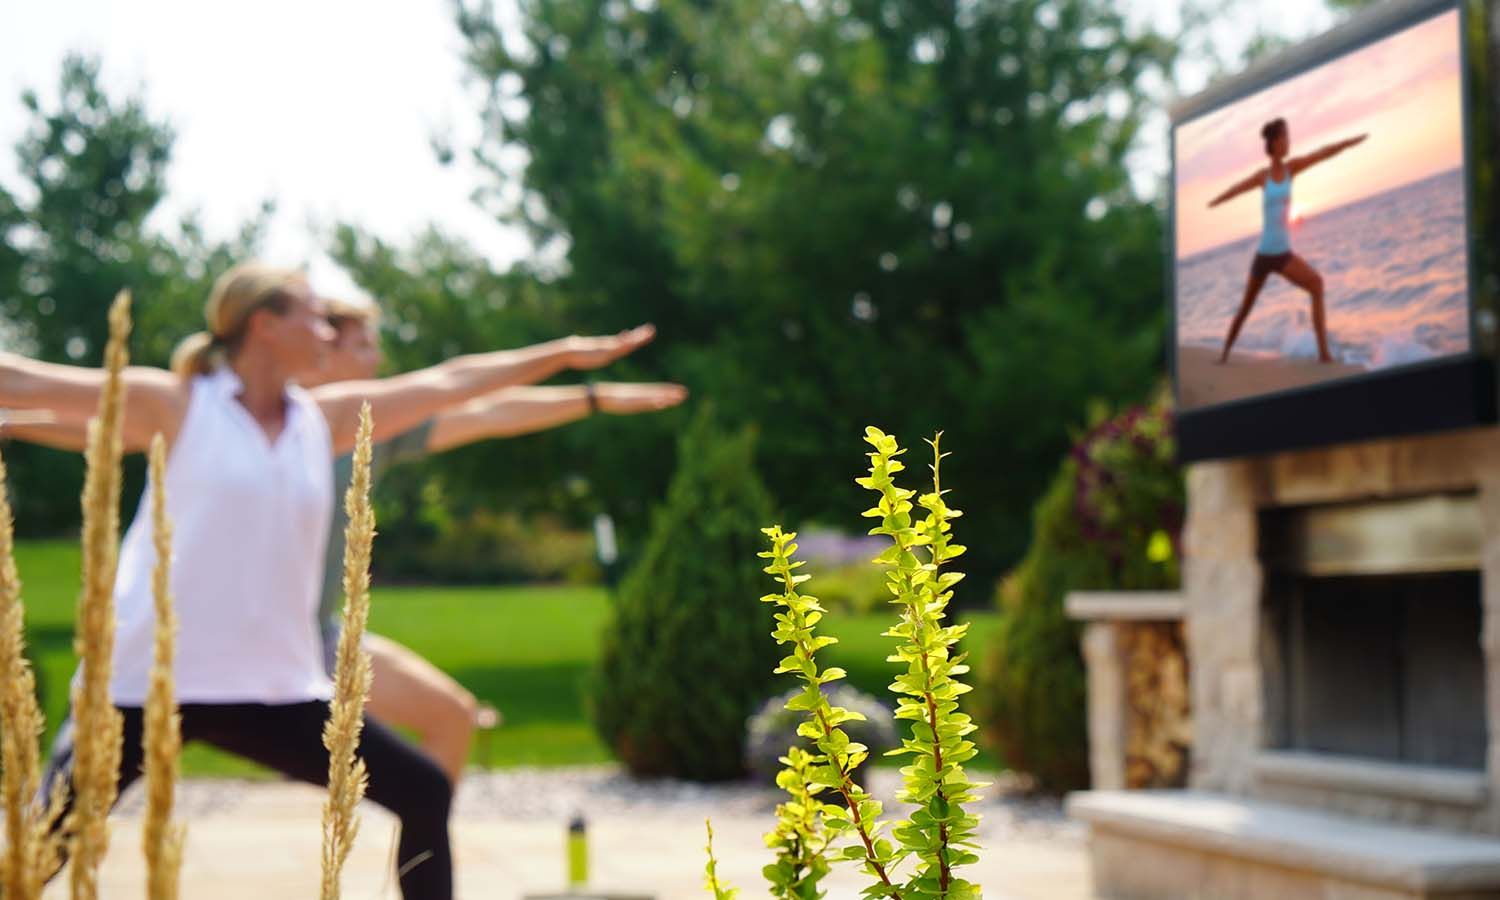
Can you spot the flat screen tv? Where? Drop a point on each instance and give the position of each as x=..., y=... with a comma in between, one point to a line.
x=1331, y=247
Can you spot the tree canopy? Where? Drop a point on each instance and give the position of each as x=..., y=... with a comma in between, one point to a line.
x=910, y=214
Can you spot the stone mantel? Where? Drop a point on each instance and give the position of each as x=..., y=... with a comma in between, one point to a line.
x=1427, y=464
x=1125, y=606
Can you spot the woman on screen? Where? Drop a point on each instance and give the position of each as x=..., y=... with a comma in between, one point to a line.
x=1274, y=254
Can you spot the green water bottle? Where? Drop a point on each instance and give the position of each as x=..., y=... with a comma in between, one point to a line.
x=578, y=852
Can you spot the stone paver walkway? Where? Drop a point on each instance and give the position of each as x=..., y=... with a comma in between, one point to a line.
x=260, y=841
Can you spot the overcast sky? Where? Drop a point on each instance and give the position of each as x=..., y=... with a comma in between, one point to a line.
x=328, y=106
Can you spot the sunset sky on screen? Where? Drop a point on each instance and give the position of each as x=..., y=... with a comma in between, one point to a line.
x=1405, y=91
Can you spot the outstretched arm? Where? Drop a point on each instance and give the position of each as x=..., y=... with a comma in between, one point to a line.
x=402, y=402
x=38, y=426
x=1249, y=184
x=1302, y=163
x=524, y=410
x=155, y=400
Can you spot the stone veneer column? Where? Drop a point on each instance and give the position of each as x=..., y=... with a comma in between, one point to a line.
x=1221, y=588
x=1107, y=703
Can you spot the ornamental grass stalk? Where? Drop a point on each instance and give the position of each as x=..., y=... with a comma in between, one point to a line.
x=711, y=880
x=346, y=773
x=939, y=836
x=30, y=849
x=96, y=760
x=799, y=839
x=837, y=757
x=940, y=832
x=161, y=839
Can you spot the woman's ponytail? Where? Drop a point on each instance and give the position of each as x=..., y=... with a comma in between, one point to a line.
x=195, y=355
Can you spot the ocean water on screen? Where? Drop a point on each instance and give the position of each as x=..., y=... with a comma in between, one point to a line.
x=1395, y=274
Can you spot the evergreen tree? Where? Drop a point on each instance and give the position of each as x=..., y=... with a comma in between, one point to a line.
x=688, y=655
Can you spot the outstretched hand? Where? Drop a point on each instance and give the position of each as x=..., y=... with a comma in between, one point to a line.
x=624, y=399
x=594, y=352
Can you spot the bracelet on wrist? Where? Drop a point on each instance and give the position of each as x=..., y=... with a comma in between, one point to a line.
x=592, y=396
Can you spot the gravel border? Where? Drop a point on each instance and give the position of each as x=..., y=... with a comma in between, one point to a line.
x=555, y=794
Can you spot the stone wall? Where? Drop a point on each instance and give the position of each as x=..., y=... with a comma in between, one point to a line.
x=1125, y=868
x=1221, y=587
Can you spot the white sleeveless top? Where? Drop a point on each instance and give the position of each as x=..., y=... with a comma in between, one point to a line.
x=249, y=524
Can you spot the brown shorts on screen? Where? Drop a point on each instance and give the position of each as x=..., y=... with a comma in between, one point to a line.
x=1264, y=264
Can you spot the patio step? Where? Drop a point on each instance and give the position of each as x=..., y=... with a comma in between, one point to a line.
x=1147, y=844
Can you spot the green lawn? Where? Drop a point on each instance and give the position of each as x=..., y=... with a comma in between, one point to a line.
x=526, y=650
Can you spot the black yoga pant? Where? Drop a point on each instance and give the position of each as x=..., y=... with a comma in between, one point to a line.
x=289, y=739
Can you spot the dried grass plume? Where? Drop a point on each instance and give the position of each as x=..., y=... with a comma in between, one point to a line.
x=96, y=760
x=346, y=774
x=161, y=839
x=29, y=848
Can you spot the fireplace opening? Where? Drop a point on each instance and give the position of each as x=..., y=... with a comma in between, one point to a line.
x=1384, y=667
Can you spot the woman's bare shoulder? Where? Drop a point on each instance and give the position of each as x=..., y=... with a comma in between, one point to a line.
x=163, y=396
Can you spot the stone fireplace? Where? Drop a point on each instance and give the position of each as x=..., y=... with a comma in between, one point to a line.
x=1341, y=609
x=1335, y=616
x=1371, y=632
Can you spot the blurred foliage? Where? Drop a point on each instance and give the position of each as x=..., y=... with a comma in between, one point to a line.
x=485, y=547
x=1110, y=520
x=855, y=590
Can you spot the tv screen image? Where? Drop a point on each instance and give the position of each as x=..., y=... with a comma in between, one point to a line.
x=1320, y=224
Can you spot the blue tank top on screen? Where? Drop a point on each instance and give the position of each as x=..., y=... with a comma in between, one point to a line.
x=1275, y=236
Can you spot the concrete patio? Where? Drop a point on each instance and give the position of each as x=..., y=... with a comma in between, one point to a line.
x=259, y=840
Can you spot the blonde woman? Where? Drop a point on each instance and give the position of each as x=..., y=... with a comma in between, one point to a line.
x=407, y=691
x=250, y=491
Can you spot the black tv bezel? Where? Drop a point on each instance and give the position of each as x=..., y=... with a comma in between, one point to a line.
x=1452, y=392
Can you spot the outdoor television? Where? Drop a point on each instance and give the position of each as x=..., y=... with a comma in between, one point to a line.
x=1331, y=238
